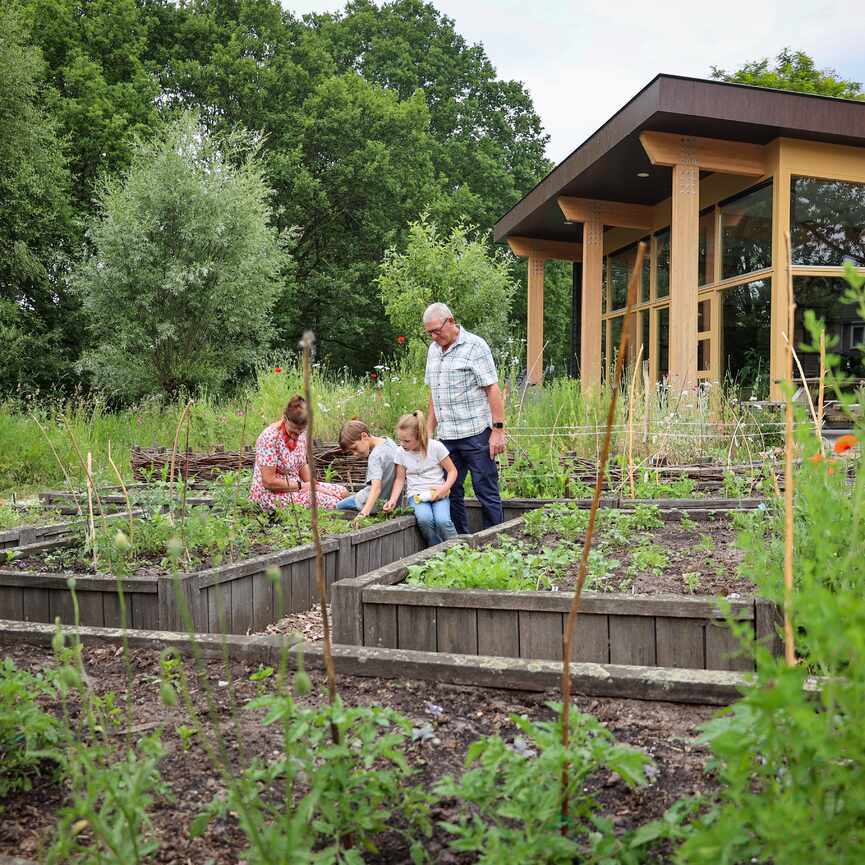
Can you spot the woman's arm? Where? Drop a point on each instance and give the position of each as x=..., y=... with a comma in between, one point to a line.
x=369, y=504
x=448, y=465
x=277, y=483
x=398, y=482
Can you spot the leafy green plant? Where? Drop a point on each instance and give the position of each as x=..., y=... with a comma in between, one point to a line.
x=320, y=801
x=691, y=580
x=706, y=544
x=30, y=738
x=514, y=793
x=649, y=485
x=649, y=557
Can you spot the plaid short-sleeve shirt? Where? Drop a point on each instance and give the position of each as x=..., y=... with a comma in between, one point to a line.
x=457, y=377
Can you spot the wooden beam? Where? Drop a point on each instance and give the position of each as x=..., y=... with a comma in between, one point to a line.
x=558, y=250
x=590, y=321
x=708, y=154
x=614, y=213
x=684, y=245
x=535, y=321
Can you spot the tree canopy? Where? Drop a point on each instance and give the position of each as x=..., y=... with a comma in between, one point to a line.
x=792, y=70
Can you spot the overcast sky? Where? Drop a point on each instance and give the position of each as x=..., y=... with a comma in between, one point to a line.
x=581, y=61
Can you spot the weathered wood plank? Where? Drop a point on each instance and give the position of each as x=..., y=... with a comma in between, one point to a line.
x=498, y=633
x=98, y=582
x=90, y=608
x=600, y=603
x=300, y=597
x=218, y=608
x=379, y=626
x=632, y=640
x=263, y=610
x=768, y=624
x=457, y=631
x=347, y=611
x=540, y=635
x=145, y=611
x=681, y=642
x=591, y=638
x=60, y=604
x=111, y=610
x=723, y=650
x=241, y=605
x=11, y=603
x=416, y=628
x=330, y=566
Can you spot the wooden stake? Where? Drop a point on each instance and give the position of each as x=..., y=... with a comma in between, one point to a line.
x=568, y=636
x=789, y=646
x=307, y=344
x=631, y=424
x=822, y=388
x=91, y=521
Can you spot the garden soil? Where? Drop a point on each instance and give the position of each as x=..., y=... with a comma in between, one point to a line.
x=457, y=715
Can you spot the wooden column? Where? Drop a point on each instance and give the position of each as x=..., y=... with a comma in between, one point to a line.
x=684, y=246
x=535, y=321
x=779, y=369
x=590, y=325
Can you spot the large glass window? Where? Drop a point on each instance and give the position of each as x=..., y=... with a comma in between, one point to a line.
x=844, y=327
x=827, y=221
x=621, y=268
x=746, y=323
x=746, y=232
x=662, y=255
x=645, y=325
x=663, y=342
x=707, y=248
x=615, y=337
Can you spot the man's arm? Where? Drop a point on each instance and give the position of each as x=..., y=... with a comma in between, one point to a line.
x=497, y=410
x=431, y=420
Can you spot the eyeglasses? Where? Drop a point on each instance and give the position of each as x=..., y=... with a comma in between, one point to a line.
x=436, y=331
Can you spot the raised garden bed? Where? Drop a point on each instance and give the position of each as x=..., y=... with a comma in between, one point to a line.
x=654, y=628
x=237, y=597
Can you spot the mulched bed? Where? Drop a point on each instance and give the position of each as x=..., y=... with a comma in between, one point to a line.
x=458, y=715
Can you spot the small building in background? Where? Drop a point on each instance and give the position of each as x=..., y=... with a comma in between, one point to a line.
x=740, y=194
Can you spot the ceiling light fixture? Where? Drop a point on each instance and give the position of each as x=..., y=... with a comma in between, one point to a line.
x=642, y=174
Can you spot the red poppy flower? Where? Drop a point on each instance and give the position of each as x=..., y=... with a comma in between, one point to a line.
x=401, y=340
x=277, y=369
x=817, y=458
x=843, y=444
x=373, y=375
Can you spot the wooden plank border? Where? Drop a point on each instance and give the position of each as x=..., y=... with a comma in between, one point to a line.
x=700, y=687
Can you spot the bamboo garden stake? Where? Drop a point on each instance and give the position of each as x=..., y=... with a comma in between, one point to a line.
x=307, y=344
x=631, y=424
x=122, y=487
x=821, y=393
x=789, y=648
x=568, y=636
x=90, y=520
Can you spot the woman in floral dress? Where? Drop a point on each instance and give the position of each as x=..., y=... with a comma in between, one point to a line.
x=281, y=474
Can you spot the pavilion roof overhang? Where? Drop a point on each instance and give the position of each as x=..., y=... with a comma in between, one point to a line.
x=605, y=166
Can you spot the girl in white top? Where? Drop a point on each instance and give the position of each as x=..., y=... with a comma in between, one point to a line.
x=426, y=469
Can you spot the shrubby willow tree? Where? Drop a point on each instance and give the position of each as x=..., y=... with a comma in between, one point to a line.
x=185, y=268
x=457, y=269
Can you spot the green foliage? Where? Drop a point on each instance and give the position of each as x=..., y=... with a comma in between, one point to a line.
x=323, y=796
x=648, y=485
x=793, y=70
x=649, y=557
x=185, y=268
x=26, y=515
x=458, y=270
x=40, y=327
x=509, y=566
x=514, y=790
x=30, y=738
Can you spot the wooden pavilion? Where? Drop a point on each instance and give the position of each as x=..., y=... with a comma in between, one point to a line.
x=735, y=189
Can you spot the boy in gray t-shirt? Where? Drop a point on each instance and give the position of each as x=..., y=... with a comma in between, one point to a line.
x=379, y=451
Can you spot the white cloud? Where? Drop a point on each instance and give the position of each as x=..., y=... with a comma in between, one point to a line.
x=581, y=61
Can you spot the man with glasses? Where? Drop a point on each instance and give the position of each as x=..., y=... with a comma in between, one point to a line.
x=466, y=411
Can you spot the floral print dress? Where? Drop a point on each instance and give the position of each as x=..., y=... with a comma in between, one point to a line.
x=271, y=450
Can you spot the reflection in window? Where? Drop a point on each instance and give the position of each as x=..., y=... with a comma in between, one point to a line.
x=663, y=342
x=704, y=319
x=621, y=268
x=645, y=325
x=827, y=220
x=746, y=232
x=662, y=254
x=615, y=337
x=603, y=350
x=746, y=317
x=703, y=359
x=844, y=327
x=706, y=267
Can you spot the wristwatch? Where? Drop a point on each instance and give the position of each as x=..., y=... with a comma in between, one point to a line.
x=498, y=425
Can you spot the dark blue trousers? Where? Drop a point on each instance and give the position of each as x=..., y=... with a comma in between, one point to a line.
x=472, y=454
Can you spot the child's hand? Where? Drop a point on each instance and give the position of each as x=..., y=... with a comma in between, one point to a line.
x=387, y=507
x=438, y=493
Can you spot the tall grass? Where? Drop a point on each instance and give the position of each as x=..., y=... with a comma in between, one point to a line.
x=542, y=422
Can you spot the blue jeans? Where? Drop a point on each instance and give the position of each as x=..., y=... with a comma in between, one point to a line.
x=434, y=520
x=348, y=504
x=472, y=454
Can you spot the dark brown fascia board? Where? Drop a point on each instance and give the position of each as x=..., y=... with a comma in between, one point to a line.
x=808, y=113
